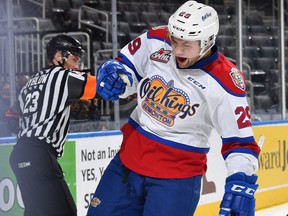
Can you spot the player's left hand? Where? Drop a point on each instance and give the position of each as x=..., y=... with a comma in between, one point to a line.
x=238, y=199
x=112, y=79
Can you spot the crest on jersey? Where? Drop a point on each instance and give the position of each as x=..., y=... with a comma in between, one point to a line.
x=161, y=55
x=237, y=78
x=163, y=101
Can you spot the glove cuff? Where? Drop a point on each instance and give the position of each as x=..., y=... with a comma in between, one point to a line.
x=241, y=176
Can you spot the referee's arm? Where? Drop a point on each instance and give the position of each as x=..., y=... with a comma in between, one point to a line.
x=81, y=86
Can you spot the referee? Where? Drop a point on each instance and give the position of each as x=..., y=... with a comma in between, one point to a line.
x=44, y=110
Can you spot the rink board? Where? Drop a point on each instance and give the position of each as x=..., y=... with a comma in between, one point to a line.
x=273, y=165
x=272, y=173
x=88, y=154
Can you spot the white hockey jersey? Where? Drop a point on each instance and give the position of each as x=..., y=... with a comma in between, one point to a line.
x=167, y=133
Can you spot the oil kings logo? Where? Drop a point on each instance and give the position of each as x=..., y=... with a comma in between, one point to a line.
x=237, y=78
x=161, y=55
x=164, y=102
x=95, y=202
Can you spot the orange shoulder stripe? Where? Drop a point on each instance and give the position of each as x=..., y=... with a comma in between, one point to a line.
x=90, y=87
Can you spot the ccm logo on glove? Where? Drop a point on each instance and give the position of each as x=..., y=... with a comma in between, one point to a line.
x=240, y=188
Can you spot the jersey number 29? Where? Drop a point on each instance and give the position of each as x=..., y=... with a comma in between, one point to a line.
x=244, y=119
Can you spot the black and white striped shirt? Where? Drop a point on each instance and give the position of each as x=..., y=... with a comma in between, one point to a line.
x=45, y=104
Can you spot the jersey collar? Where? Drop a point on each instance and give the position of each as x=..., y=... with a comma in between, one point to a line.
x=206, y=61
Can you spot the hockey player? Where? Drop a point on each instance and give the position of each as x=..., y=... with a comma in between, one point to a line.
x=185, y=87
x=44, y=110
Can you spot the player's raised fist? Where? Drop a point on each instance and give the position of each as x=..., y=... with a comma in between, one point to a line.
x=112, y=79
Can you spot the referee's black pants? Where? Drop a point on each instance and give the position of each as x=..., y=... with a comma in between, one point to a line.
x=40, y=178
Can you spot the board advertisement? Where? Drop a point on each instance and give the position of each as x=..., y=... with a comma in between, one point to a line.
x=87, y=155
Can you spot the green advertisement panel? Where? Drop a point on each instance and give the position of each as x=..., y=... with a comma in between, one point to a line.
x=10, y=197
x=11, y=203
x=68, y=165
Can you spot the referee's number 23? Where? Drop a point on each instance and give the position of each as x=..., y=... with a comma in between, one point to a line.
x=244, y=118
x=31, y=102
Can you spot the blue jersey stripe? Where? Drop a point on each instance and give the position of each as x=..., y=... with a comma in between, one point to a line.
x=165, y=141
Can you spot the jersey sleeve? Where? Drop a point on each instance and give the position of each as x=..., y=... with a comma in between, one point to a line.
x=81, y=86
x=89, y=88
x=134, y=56
x=230, y=114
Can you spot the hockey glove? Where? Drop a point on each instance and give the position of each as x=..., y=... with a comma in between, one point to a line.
x=112, y=80
x=239, y=198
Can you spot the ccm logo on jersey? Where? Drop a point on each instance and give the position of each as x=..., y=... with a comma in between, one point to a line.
x=195, y=82
x=241, y=189
x=161, y=55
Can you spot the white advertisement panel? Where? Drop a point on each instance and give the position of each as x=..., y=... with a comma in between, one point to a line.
x=92, y=157
x=94, y=154
x=213, y=180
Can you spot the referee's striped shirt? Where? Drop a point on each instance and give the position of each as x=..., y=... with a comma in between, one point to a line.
x=45, y=104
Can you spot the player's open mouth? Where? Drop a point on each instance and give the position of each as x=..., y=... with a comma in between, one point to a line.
x=181, y=60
